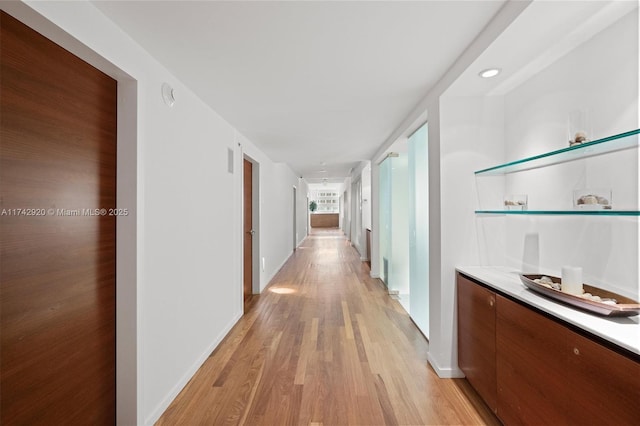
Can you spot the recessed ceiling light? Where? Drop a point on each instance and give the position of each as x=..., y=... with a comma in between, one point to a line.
x=489, y=72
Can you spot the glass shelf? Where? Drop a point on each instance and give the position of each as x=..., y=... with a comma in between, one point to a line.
x=563, y=212
x=619, y=142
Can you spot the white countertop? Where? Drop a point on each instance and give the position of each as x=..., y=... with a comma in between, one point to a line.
x=622, y=331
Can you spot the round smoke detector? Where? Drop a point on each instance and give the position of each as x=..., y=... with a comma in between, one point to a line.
x=168, y=94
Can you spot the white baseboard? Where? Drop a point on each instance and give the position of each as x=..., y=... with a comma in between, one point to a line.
x=164, y=404
x=445, y=373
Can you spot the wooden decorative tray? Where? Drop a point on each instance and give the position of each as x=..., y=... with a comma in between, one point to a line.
x=624, y=308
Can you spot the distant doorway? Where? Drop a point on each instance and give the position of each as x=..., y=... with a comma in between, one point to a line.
x=248, y=230
x=295, y=215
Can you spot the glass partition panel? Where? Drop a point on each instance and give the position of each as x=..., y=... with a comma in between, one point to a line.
x=385, y=219
x=399, y=271
x=419, y=229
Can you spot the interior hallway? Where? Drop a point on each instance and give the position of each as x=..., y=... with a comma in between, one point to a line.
x=326, y=345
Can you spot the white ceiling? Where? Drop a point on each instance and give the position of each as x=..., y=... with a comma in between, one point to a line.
x=307, y=82
x=522, y=50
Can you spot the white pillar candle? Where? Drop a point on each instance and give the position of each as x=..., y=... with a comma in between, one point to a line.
x=571, y=281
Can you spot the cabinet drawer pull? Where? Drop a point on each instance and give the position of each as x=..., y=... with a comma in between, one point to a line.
x=492, y=301
x=576, y=351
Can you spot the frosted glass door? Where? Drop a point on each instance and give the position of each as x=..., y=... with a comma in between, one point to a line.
x=419, y=229
x=385, y=219
x=399, y=271
x=394, y=226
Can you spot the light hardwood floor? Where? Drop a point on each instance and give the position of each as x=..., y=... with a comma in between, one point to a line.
x=324, y=345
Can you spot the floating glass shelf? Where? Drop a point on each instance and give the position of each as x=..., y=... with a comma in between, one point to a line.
x=619, y=142
x=564, y=212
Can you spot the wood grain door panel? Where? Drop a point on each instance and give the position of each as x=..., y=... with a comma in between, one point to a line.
x=247, y=229
x=476, y=338
x=531, y=360
x=57, y=266
x=604, y=385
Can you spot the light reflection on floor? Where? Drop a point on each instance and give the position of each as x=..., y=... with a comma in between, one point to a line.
x=282, y=290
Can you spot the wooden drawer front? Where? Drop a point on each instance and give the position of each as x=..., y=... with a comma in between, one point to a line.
x=476, y=338
x=531, y=350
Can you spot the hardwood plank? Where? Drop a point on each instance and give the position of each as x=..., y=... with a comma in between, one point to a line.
x=324, y=345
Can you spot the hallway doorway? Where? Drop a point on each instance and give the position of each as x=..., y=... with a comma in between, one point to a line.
x=295, y=218
x=248, y=231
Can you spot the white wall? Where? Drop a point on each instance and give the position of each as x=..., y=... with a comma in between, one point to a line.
x=357, y=206
x=275, y=230
x=276, y=227
x=345, y=210
x=365, y=175
x=357, y=235
x=470, y=135
x=479, y=132
x=185, y=240
x=302, y=224
x=600, y=77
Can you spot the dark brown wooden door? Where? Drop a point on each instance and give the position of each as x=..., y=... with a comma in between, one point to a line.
x=604, y=385
x=477, y=338
x=57, y=250
x=531, y=367
x=549, y=374
x=248, y=230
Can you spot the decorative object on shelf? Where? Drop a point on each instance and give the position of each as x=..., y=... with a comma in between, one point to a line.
x=313, y=206
x=571, y=281
x=579, y=138
x=548, y=282
x=594, y=299
x=515, y=202
x=592, y=199
x=578, y=127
